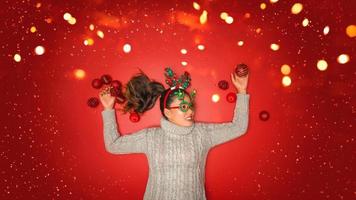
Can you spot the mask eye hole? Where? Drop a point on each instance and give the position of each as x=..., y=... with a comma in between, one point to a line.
x=184, y=107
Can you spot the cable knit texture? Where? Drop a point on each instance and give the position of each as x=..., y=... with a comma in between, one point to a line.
x=176, y=155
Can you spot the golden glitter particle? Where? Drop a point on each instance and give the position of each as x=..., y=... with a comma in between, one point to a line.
x=275, y=47
x=263, y=6
x=322, y=65
x=285, y=69
x=240, y=43
x=91, y=27
x=351, y=31
x=88, y=42
x=183, y=51
x=17, y=57
x=72, y=21
x=201, y=47
x=326, y=30
x=273, y=1
x=204, y=17
x=67, y=16
x=305, y=22
x=297, y=8
x=184, y=63
x=286, y=81
x=343, y=58
x=39, y=50
x=229, y=20
x=79, y=74
x=127, y=48
x=196, y=6
x=33, y=29
x=100, y=34
x=224, y=15
x=215, y=98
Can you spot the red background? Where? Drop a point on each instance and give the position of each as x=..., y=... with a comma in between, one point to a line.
x=52, y=142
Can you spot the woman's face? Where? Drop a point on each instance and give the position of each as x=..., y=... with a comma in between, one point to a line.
x=177, y=116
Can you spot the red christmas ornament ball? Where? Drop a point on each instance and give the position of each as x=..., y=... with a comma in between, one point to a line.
x=224, y=85
x=93, y=102
x=116, y=84
x=114, y=91
x=106, y=79
x=96, y=83
x=264, y=115
x=120, y=98
x=241, y=70
x=231, y=97
x=134, y=117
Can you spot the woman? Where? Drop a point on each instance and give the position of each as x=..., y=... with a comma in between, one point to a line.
x=177, y=150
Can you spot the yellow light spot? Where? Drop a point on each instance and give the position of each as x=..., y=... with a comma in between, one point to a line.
x=72, y=21
x=127, y=48
x=201, y=47
x=305, y=22
x=297, y=8
x=17, y=57
x=204, y=17
x=215, y=98
x=263, y=6
x=79, y=74
x=184, y=63
x=91, y=27
x=343, y=58
x=48, y=20
x=322, y=65
x=88, y=42
x=100, y=34
x=351, y=31
x=286, y=81
x=285, y=69
x=326, y=30
x=39, y=50
x=240, y=43
x=275, y=47
x=273, y=1
x=67, y=16
x=33, y=29
x=196, y=6
x=258, y=30
x=38, y=5
x=183, y=51
x=224, y=15
x=229, y=20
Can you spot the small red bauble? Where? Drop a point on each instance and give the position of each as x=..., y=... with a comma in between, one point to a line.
x=224, y=85
x=93, y=102
x=134, y=117
x=241, y=70
x=231, y=97
x=96, y=83
x=120, y=98
x=116, y=84
x=264, y=115
x=106, y=79
x=114, y=91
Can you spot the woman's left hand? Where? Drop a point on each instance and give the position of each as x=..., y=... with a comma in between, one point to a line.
x=239, y=82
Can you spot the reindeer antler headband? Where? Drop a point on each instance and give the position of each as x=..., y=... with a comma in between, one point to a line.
x=182, y=83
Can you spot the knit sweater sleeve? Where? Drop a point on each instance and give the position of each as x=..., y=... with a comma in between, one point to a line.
x=116, y=144
x=219, y=133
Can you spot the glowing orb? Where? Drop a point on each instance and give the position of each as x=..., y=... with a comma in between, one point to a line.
x=322, y=65
x=204, y=17
x=17, y=57
x=343, y=58
x=240, y=43
x=229, y=20
x=215, y=98
x=263, y=6
x=326, y=30
x=285, y=69
x=33, y=29
x=273, y=1
x=305, y=22
x=184, y=63
x=39, y=50
x=183, y=51
x=297, y=8
x=88, y=42
x=79, y=74
x=286, y=81
x=72, y=21
x=127, y=48
x=275, y=47
x=224, y=15
x=351, y=31
x=91, y=27
x=100, y=34
x=201, y=47
x=196, y=6
x=67, y=16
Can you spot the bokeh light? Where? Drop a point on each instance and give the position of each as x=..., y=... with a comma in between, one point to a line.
x=79, y=74
x=322, y=65
x=127, y=48
x=201, y=47
x=39, y=50
x=17, y=57
x=286, y=81
x=351, y=31
x=285, y=69
x=297, y=8
x=33, y=29
x=274, y=47
x=215, y=98
x=343, y=58
x=183, y=51
x=326, y=30
x=240, y=43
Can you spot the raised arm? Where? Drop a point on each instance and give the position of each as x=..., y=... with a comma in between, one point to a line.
x=219, y=133
x=116, y=144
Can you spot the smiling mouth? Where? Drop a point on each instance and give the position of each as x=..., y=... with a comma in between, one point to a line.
x=190, y=118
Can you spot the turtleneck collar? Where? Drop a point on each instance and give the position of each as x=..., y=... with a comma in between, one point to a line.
x=174, y=129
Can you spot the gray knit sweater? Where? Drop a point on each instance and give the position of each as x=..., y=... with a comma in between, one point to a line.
x=176, y=155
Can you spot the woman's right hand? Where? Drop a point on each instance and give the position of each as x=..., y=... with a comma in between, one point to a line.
x=106, y=99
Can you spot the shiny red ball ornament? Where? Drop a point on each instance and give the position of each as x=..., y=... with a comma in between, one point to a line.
x=96, y=83
x=231, y=97
x=93, y=102
x=264, y=115
x=114, y=91
x=224, y=85
x=134, y=117
x=116, y=84
x=120, y=98
x=106, y=79
x=241, y=70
